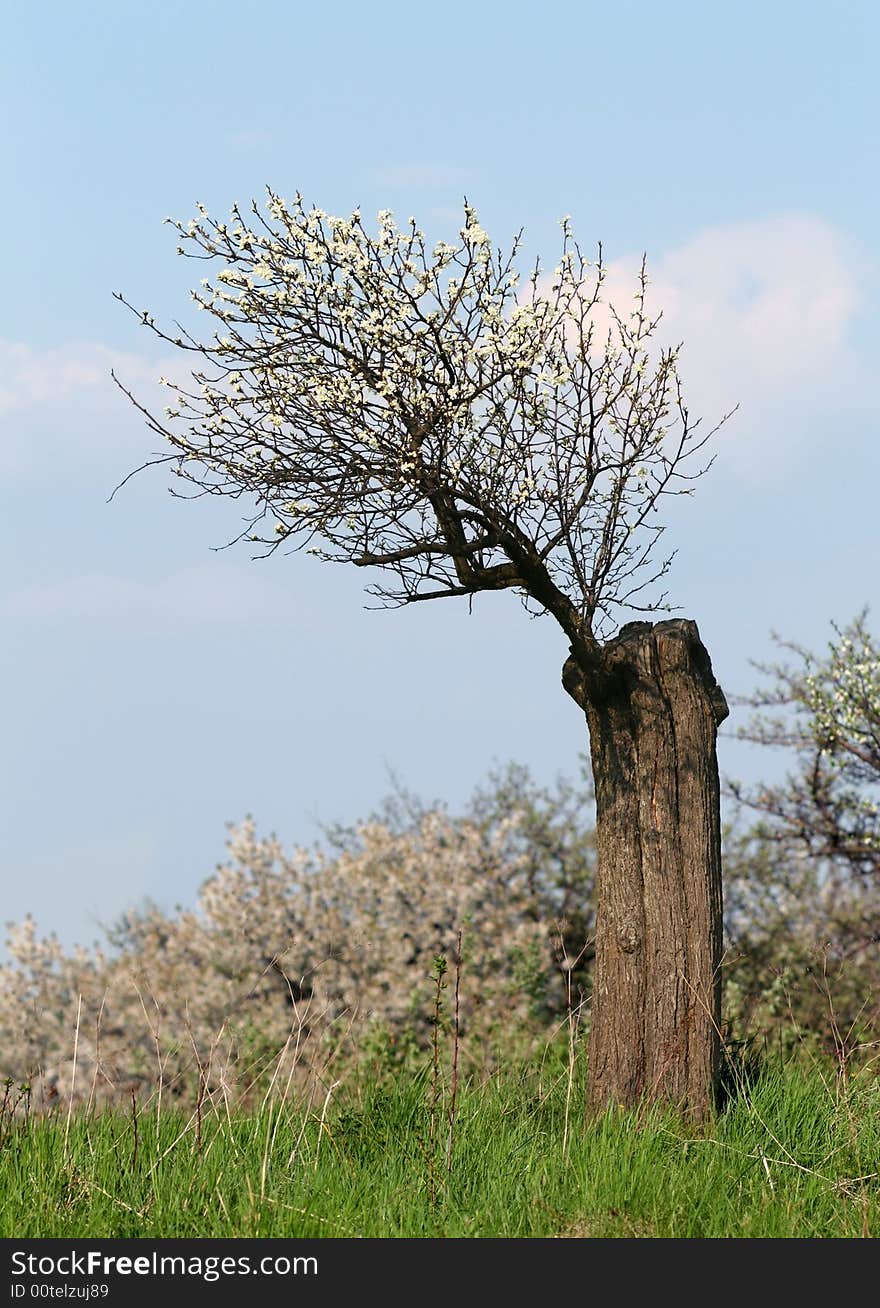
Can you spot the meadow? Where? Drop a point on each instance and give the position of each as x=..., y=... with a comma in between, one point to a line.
x=794, y=1152
x=388, y=1038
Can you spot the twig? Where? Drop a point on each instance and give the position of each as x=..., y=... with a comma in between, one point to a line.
x=134, y=1125
x=439, y=971
x=456, y=1032
x=73, y=1073
x=97, y=1054
x=322, y=1125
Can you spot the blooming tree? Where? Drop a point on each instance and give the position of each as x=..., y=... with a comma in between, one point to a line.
x=293, y=960
x=410, y=408
x=827, y=710
x=813, y=874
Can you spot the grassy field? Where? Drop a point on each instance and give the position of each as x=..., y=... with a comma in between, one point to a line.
x=794, y=1154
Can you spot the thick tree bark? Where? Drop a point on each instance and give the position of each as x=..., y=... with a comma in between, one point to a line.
x=653, y=708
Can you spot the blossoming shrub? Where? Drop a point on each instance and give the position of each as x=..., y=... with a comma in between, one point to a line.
x=292, y=961
x=293, y=964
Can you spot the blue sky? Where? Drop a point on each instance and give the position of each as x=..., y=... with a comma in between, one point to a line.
x=152, y=688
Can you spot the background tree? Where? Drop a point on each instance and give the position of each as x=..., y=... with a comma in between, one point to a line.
x=392, y=406
x=827, y=711
x=807, y=904
x=307, y=957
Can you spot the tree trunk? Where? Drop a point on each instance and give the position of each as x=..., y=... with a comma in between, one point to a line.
x=653, y=710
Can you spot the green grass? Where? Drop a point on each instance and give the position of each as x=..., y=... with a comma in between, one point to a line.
x=794, y=1155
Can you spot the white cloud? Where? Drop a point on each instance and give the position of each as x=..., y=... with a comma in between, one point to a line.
x=31, y=377
x=60, y=408
x=765, y=310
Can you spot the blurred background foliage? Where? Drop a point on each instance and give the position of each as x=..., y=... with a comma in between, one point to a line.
x=296, y=964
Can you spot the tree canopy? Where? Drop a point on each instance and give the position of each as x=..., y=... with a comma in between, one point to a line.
x=388, y=403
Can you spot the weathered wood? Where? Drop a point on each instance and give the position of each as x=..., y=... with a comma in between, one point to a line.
x=653, y=715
